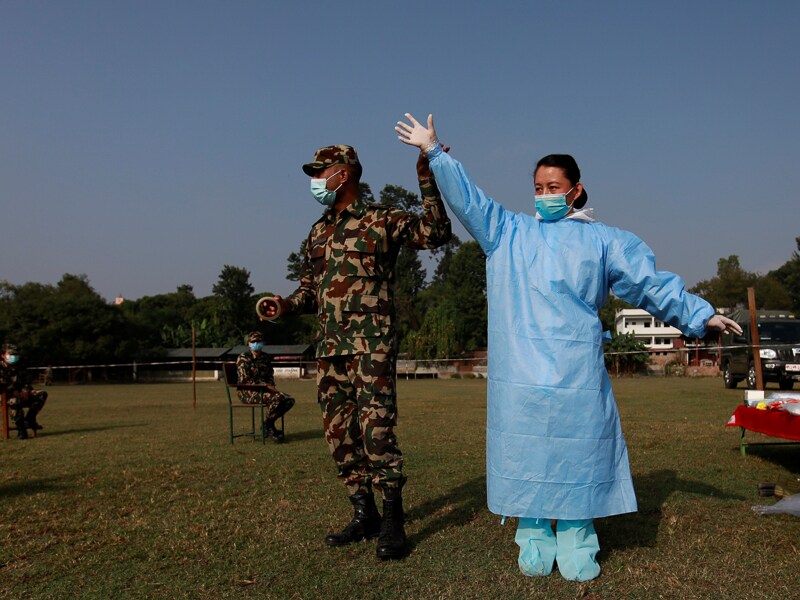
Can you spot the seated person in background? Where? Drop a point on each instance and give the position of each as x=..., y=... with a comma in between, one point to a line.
x=20, y=393
x=255, y=367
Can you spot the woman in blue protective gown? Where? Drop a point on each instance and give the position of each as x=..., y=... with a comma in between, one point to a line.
x=554, y=446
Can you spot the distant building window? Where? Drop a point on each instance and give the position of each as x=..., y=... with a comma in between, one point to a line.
x=647, y=323
x=656, y=323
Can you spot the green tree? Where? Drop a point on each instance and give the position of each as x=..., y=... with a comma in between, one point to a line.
x=436, y=337
x=410, y=274
x=771, y=294
x=161, y=321
x=729, y=288
x=608, y=312
x=366, y=192
x=445, y=255
x=459, y=293
x=295, y=263
x=399, y=197
x=235, y=304
x=789, y=277
x=624, y=354
x=69, y=323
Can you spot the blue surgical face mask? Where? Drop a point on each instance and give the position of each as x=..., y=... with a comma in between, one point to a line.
x=256, y=346
x=320, y=191
x=552, y=207
x=12, y=359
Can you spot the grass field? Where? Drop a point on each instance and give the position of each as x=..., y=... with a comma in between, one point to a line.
x=130, y=493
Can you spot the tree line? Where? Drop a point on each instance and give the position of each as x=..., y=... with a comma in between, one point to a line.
x=69, y=323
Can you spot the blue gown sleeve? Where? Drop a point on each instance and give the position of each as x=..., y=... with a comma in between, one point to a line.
x=633, y=277
x=483, y=217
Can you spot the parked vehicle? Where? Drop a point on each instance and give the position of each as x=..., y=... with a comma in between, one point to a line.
x=779, y=348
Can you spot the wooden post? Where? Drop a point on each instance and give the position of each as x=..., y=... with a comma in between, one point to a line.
x=751, y=303
x=194, y=369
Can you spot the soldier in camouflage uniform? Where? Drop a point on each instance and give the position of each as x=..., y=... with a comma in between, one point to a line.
x=349, y=278
x=255, y=367
x=19, y=392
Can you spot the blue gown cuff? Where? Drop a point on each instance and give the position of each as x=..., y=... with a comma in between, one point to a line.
x=435, y=151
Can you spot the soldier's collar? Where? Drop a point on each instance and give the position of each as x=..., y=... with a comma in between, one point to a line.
x=356, y=208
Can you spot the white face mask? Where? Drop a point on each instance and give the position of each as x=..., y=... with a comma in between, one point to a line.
x=320, y=191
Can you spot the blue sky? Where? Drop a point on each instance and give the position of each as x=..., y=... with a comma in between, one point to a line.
x=147, y=144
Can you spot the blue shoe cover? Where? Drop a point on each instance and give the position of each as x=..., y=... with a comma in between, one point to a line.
x=577, y=549
x=537, y=546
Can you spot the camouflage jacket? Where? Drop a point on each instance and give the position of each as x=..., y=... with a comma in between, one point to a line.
x=13, y=379
x=252, y=369
x=348, y=272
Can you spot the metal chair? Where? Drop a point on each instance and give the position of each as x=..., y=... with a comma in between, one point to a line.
x=232, y=386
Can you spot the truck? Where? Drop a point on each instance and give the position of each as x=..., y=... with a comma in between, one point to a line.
x=779, y=349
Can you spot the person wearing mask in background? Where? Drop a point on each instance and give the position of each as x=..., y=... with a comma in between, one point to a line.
x=254, y=367
x=555, y=449
x=20, y=394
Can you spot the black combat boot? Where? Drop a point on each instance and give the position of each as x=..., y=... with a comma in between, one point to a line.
x=276, y=435
x=22, y=433
x=365, y=524
x=392, y=538
x=31, y=422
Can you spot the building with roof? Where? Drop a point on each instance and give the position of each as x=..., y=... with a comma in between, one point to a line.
x=290, y=361
x=665, y=343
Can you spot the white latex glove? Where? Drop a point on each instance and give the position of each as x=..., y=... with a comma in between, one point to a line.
x=417, y=134
x=723, y=325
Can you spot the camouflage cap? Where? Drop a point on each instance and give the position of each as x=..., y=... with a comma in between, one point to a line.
x=331, y=155
x=10, y=349
x=254, y=336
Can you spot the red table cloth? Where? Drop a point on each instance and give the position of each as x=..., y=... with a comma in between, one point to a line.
x=775, y=423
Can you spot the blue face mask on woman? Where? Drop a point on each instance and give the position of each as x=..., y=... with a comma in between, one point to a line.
x=12, y=359
x=552, y=207
x=256, y=346
x=320, y=191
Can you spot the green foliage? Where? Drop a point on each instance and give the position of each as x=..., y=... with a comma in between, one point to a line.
x=436, y=338
x=625, y=354
x=366, y=192
x=608, y=312
x=63, y=324
x=463, y=294
x=160, y=321
x=409, y=282
x=236, y=304
x=729, y=288
x=296, y=262
x=789, y=277
x=399, y=197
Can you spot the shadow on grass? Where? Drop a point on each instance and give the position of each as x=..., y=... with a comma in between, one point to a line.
x=300, y=436
x=32, y=486
x=781, y=453
x=457, y=507
x=90, y=429
x=640, y=529
x=310, y=434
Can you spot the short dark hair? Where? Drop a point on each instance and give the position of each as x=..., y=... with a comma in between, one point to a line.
x=572, y=172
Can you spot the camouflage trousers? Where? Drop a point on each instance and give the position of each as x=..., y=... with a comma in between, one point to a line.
x=33, y=400
x=276, y=404
x=359, y=411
